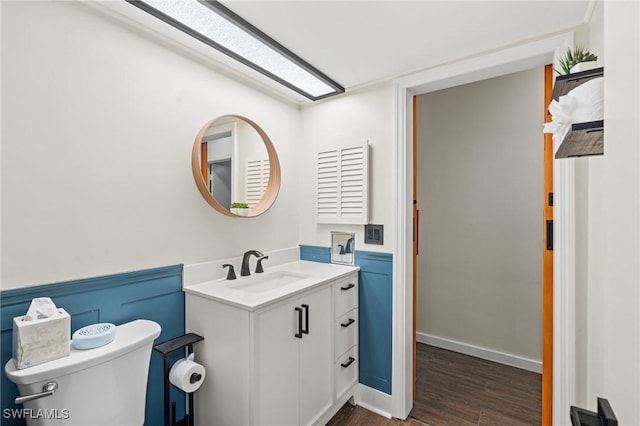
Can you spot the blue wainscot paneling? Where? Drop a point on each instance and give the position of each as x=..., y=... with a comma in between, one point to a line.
x=375, y=313
x=154, y=294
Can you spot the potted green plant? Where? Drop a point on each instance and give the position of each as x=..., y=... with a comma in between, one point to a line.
x=576, y=59
x=241, y=209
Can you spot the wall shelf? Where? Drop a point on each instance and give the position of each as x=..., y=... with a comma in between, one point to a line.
x=565, y=83
x=584, y=138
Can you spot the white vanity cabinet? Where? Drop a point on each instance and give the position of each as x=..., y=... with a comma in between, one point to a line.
x=345, y=296
x=290, y=362
x=293, y=360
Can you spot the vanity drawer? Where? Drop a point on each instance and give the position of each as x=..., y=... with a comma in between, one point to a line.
x=346, y=371
x=346, y=332
x=345, y=292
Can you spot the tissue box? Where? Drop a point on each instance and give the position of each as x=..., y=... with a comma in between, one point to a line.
x=41, y=340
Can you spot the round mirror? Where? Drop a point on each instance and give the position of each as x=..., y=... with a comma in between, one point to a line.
x=235, y=166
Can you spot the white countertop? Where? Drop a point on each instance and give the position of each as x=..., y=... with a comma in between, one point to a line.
x=222, y=290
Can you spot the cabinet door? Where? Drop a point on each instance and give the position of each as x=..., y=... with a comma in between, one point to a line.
x=276, y=361
x=316, y=356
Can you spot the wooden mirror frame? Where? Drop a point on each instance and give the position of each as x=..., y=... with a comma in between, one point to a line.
x=198, y=165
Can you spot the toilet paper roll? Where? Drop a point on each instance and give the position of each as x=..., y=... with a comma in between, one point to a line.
x=187, y=375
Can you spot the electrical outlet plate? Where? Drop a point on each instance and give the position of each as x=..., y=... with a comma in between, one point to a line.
x=374, y=234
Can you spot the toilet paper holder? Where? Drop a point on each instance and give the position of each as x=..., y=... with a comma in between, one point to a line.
x=166, y=349
x=195, y=377
x=186, y=374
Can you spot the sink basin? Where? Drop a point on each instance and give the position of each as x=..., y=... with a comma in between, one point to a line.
x=259, y=283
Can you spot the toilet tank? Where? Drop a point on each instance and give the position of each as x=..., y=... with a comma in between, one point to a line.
x=102, y=386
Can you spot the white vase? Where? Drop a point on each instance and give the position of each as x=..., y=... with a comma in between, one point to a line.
x=583, y=66
x=238, y=211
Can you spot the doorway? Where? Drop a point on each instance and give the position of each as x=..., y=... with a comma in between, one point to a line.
x=478, y=192
x=220, y=177
x=492, y=64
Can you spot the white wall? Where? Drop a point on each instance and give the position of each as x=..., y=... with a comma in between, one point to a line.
x=98, y=120
x=480, y=192
x=613, y=324
x=349, y=119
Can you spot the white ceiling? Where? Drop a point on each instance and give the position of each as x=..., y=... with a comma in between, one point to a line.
x=357, y=43
x=361, y=42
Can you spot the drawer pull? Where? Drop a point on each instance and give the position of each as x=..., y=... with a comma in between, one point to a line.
x=348, y=363
x=347, y=287
x=306, y=319
x=299, y=333
x=348, y=323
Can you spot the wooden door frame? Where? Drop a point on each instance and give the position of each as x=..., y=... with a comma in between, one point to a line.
x=506, y=61
x=547, y=258
x=416, y=238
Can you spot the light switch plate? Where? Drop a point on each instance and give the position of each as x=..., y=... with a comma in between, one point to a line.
x=374, y=234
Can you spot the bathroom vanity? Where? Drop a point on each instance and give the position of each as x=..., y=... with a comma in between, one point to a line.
x=280, y=347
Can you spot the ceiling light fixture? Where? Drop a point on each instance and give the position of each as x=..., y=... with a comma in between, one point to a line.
x=215, y=25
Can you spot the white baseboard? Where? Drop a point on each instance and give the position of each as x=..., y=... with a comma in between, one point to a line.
x=374, y=400
x=364, y=396
x=328, y=415
x=480, y=352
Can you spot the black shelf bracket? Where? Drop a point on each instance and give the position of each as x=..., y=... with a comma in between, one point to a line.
x=604, y=417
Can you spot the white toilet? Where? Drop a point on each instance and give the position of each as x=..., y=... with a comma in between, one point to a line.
x=102, y=386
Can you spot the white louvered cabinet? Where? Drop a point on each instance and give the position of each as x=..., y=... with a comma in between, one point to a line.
x=342, y=185
x=256, y=180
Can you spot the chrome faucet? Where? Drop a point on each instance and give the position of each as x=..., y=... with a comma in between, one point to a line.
x=244, y=269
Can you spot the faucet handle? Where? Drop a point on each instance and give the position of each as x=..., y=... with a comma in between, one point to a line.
x=231, y=274
x=259, y=264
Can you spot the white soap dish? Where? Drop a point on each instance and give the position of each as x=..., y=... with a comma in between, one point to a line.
x=93, y=336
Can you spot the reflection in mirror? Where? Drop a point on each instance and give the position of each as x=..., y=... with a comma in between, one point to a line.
x=217, y=148
x=235, y=166
x=343, y=248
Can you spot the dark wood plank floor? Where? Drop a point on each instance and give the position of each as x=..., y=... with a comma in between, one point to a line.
x=459, y=390
x=358, y=416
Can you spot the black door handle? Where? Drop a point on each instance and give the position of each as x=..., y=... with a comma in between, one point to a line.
x=348, y=363
x=348, y=287
x=305, y=330
x=299, y=333
x=348, y=323
x=417, y=232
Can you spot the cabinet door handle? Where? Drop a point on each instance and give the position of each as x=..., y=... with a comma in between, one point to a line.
x=305, y=330
x=299, y=333
x=348, y=323
x=348, y=363
x=347, y=287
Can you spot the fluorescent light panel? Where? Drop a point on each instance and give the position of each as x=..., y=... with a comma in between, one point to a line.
x=212, y=23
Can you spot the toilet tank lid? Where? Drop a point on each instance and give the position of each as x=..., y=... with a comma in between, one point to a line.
x=129, y=337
